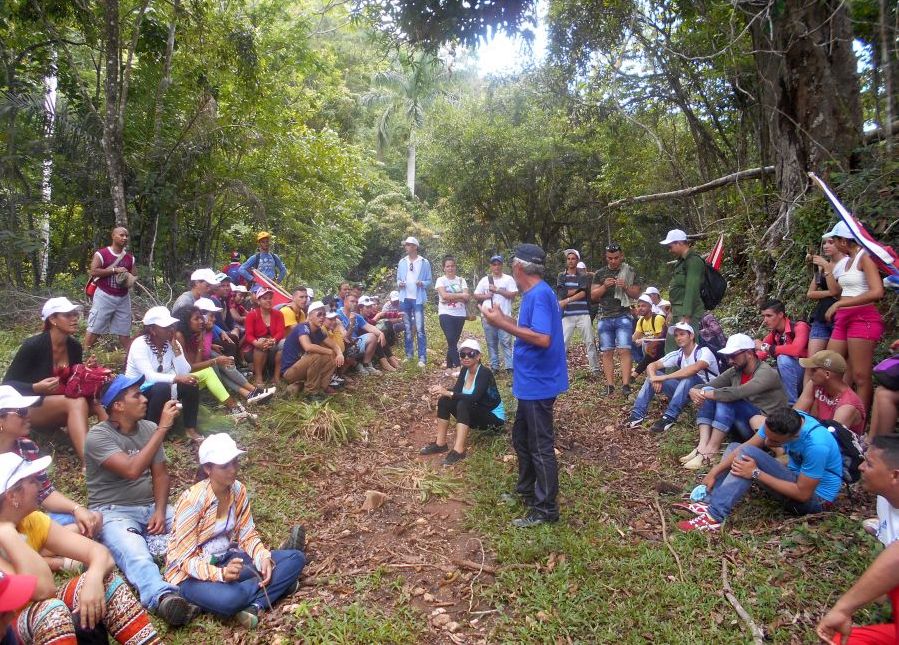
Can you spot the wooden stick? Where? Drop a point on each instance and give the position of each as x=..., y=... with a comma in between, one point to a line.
x=751, y=173
x=758, y=636
x=680, y=567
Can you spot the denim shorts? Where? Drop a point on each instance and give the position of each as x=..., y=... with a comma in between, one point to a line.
x=820, y=330
x=615, y=332
x=362, y=341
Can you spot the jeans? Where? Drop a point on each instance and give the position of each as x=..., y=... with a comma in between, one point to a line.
x=534, y=443
x=414, y=314
x=790, y=376
x=123, y=534
x=724, y=416
x=228, y=598
x=497, y=338
x=615, y=332
x=583, y=324
x=677, y=391
x=452, y=330
x=730, y=489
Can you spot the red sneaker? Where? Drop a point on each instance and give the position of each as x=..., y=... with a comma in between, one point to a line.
x=703, y=523
x=696, y=508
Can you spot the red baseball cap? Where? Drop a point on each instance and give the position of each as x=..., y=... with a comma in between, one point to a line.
x=15, y=591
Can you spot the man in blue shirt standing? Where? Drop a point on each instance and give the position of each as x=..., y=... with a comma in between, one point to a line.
x=540, y=375
x=264, y=261
x=809, y=483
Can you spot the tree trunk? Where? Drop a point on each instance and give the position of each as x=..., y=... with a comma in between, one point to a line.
x=50, y=84
x=113, y=145
x=410, y=165
x=886, y=70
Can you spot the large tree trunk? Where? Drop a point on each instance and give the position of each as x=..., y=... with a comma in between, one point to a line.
x=809, y=93
x=410, y=165
x=50, y=84
x=113, y=145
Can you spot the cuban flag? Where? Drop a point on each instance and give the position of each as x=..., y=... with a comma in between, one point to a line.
x=279, y=296
x=716, y=254
x=884, y=256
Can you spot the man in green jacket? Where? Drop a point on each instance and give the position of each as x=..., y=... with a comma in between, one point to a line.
x=686, y=305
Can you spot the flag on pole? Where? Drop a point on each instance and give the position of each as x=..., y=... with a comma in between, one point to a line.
x=716, y=254
x=884, y=256
x=279, y=296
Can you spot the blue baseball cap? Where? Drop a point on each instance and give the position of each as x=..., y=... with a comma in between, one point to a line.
x=118, y=385
x=496, y=258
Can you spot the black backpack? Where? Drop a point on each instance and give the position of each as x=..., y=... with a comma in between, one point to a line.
x=850, y=448
x=713, y=287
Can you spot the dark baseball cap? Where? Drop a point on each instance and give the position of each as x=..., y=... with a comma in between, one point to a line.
x=530, y=253
x=496, y=258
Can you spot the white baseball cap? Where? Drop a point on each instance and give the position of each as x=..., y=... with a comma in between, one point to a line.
x=737, y=343
x=645, y=298
x=219, y=449
x=206, y=275
x=394, y=295
x=566, y=252
x=581, y=265
x=10, y=399
x=14, y=469
x=411, y=240
x=207, y=305
x=331, y=314
x=674, y=235
x=652, y=291
x=309, y=292
x=687, y=327
x=366, y=301
x=58, y=306
x=470, y=343
x=159, y=316
x=318, y=304
x=840, y=229
x=664, y=303
x=238, y=288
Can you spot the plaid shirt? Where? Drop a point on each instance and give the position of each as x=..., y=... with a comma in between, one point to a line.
x=29, y=451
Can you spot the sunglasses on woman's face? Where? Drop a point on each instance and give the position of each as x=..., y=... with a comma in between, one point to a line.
x=468, y=354
x=19, y=412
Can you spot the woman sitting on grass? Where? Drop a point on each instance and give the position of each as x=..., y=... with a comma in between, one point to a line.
x=14, y=428
x=264, y=338
x=96, y=596
x=474, y=401
x=42, y=367
x=215, y=555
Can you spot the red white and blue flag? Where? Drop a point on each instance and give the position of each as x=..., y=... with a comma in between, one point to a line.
x=716, y=254
x=884, y=256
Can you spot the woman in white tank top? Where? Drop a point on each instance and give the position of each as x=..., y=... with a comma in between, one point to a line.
x=856, y=283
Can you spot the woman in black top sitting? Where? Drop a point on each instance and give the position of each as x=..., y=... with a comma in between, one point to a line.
x=42, y=367
x=474, y=401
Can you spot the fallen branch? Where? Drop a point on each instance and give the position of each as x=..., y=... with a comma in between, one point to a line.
x=680, y=567
x=751, y=173
x=758, y=636
x=474, y=566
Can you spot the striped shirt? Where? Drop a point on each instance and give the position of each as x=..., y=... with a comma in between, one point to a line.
x=194, y=525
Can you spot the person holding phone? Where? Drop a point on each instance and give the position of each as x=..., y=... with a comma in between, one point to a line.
x=499, y=290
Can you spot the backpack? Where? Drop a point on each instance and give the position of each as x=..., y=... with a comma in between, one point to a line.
x=712, y=336
x=850, y=448
x=680, y=360
x=713, y=286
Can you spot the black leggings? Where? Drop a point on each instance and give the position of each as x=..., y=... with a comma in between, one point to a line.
x=159, y=393
x=452, y=329
x=466, y=412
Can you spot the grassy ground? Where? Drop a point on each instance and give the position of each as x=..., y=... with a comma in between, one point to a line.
x=607, y=572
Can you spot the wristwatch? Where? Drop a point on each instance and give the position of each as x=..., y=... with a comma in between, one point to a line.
x=755, y=473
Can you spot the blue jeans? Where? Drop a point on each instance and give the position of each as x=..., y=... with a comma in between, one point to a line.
x=414, y=314
x=615, y=332
x=677, y=391
x=228, y=598
x=123, y=534
x=724, y=416
x=730, y=489
x=496, y=338
x=534, y=443
x=790, y=376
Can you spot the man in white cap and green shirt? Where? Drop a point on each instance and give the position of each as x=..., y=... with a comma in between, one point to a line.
x=686, y=280
x=573, y=291
x=413, y=278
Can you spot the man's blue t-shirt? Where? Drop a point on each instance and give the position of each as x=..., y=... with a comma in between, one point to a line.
x=357, y=328
x=816, y=454
x=293, y=351
x=540, y=373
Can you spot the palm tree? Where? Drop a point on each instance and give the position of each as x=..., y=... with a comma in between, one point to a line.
x=408, y=92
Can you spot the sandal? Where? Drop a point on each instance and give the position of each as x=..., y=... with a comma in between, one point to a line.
x=689, y=456
x=698, y=462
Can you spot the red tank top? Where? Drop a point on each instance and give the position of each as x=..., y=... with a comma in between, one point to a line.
x=109, y=284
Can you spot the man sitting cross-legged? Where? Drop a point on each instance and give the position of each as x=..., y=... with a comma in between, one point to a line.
x=128, y=482
x=880, y=475
x=691, y=364
x=809, y=483
x=310, y=357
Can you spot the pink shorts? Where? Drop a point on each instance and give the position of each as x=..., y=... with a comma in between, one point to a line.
x=864, y=323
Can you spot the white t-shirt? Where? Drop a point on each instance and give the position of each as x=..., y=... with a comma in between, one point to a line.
x=504, y=282
x=455, y=307
x=670, y=361
x=888, y=529
x=413, y=275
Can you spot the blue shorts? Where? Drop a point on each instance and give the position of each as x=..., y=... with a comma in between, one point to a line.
x=615, y=332
x=362, y=341
x=821, y=330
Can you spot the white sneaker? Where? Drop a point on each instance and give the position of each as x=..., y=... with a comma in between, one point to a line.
x=372, y=369
x=421, y=364
x=260, y=395
x=240, y=413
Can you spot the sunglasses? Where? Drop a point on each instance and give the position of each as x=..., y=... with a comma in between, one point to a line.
x=614, y=247
x=19, y=412
x=465, y=354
